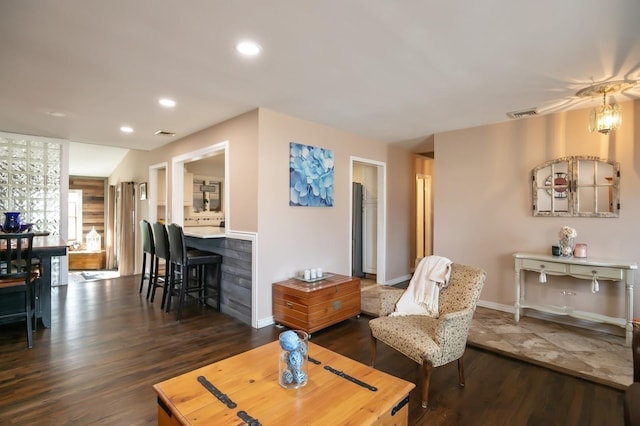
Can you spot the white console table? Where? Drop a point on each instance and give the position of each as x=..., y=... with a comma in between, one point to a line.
x=589, y=268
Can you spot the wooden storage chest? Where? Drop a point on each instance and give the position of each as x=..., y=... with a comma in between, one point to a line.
x=84, y=260
x=314, y=306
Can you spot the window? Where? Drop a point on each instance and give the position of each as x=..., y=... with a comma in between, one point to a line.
x=31, y=175
x=30, y=180
x=576, y=186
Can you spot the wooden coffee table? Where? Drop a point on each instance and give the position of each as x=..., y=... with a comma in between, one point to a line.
x=247, y=388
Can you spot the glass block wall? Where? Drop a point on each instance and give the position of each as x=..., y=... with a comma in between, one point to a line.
x=30, y=181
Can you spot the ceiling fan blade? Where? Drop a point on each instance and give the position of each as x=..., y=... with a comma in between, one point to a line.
x=562, y=105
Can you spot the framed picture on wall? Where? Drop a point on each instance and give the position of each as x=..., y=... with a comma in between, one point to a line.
x=310, y=176
x=143, y=191
x=211, y=193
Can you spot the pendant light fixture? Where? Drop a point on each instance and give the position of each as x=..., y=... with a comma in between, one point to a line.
x=606, y=117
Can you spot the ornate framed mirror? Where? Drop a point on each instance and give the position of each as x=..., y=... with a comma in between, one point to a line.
x=576, y=186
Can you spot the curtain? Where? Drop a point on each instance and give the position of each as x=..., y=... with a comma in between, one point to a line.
x=111, y=227
x=125, y=234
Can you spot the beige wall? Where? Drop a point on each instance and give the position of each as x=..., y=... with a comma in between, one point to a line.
x=242, y=134
x=483, y=202
x=482, y=198
x=400, y=188
x=291, y=239
x=294, y=238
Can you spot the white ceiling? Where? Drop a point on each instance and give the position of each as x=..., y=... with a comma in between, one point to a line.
x=94, y=160
x=395, y=71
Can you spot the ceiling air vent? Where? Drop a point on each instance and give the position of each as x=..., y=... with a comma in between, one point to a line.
x=164, y=133
x=524, y=113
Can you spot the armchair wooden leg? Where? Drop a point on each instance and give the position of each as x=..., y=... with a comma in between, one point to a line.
x=461, y=371
x=374, y=348
x=427, y=369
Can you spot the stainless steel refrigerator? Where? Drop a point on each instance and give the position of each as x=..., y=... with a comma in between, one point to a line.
x=356, y=237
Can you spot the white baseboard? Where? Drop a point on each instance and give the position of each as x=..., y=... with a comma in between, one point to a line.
x=397, y=280
x=496, y=306
x=264, y=322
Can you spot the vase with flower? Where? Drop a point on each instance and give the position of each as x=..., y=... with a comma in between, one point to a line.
x=567, y=240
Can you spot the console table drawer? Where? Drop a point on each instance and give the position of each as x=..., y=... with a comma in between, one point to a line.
x=599, y=271
x=589, y=269
x=539, y=265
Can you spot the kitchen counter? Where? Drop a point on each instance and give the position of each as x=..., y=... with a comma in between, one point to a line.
x=237, y=267
x=204, y=231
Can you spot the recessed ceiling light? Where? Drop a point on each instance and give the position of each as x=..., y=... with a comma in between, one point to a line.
x=126, y=129
x=57, y=114
x=248, y=48
x=166, y=102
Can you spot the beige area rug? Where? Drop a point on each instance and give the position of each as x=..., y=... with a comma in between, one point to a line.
x=369, y=296
x=76, y=277
x=591, y=355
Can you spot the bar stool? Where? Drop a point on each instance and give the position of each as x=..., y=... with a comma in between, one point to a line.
x=148, y=248
x=183, y=264
x=161, y=240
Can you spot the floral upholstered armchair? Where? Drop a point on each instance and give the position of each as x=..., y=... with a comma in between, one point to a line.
x=432, y=342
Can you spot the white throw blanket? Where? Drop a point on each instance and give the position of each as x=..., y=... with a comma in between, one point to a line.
x=423, y=294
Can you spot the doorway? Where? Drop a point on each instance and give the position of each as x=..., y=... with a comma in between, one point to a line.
x=423, y=216
x=367, y=211
x=87, y=203
x=176, y=213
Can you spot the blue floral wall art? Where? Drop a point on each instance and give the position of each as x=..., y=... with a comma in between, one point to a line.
x=310, y=176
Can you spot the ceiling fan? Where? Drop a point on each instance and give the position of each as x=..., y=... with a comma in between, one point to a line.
x=629, y=89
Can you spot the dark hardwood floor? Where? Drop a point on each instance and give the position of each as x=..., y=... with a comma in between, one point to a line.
x=108, y=346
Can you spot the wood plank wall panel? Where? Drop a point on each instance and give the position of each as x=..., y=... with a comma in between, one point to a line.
x=93, y=203
x=236, y=273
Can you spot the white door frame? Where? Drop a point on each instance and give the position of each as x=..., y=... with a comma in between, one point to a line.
x=382, y=215
x=177, y=180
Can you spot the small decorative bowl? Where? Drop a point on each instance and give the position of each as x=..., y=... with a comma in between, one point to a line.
x=25, y=227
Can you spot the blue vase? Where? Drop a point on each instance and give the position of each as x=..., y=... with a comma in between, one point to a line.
x=11, y=222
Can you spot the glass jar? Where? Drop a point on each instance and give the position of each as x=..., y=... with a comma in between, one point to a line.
x=566, y=246
x=580, y=250
x=292, y=361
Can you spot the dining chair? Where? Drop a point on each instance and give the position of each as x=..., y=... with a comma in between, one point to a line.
x=188, y=271
x=17, y=277
x=148, y=250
